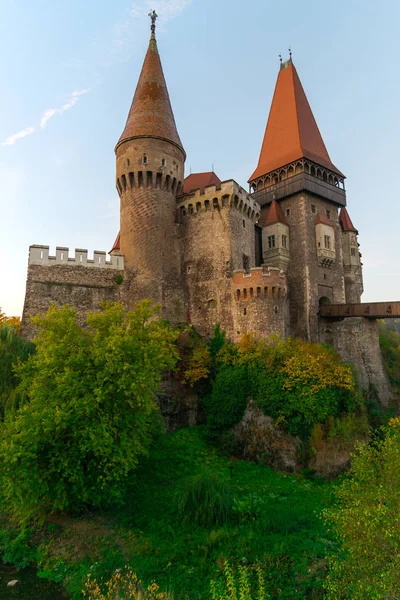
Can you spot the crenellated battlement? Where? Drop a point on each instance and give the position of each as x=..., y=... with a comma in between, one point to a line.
x=259, y=283
x=149, y=180
x=228, y=195
x=39, y=255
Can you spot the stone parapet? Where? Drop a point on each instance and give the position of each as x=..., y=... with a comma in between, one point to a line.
x=260, y=282
x=39, y=255
x=228, y=195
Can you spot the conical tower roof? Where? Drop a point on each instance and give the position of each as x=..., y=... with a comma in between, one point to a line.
x=151, y=113
x=274, y=215
x=345, y=221
x=292, y=132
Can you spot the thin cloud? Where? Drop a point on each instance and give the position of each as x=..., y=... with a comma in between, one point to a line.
x=10, y=141
x=51, y=112
x=167, y=9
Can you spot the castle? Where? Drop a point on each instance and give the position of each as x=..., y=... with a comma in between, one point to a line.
x=208, y=251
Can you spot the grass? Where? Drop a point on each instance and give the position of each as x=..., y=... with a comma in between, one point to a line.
x=273, y=521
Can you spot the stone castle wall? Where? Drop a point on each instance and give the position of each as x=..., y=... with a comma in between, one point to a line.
x=308, y=281
x=81, y=283
x=260, y=302
x=217, y=236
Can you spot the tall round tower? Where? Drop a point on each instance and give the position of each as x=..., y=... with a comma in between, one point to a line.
x=150, y=173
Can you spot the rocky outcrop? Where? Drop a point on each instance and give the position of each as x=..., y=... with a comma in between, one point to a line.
x=263, y=442
x=179, y=405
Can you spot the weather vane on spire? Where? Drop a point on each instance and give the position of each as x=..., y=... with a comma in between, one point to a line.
x=290, y=53
x=153, y=16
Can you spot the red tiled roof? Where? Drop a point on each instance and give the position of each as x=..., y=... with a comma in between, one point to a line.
x=151, y=112
x=345, y=221
x=324, y=220
x=291, y=131
x=116, y=244
x=274, y=215
x=196, y=181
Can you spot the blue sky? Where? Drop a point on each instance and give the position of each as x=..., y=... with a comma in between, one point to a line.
x=69, y=71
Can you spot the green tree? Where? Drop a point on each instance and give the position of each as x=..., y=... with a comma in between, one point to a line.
x=366, y=519
x=13, y=349
x=91, y=403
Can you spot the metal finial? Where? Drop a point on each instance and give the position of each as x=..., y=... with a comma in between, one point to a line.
x=280, y=58
x=290, y=53
x=153, y=16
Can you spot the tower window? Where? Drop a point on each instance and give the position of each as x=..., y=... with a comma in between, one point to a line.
x=284, y=241
x=353, y=251
x=244, y=223
x=246, y=263
x=271, y=241
x=313, y=209
x=144, y=160
x=328, y=214
x=327, y=241
x=288, y=212
x=163, y=162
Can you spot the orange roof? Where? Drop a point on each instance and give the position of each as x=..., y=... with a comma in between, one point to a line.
x=274, y=215
x=196, y=181
x=324, y=220
x=291, y=131
x=116, y=244
x=345, y=221
x=151, y=113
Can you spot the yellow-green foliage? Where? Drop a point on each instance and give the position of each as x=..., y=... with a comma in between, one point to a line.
x=367, y=522
x=239, y=585
x=197, y=366
x=123, y=584
x=297, y=383
x=89, y=411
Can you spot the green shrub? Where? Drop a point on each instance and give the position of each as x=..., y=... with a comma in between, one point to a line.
x=13, y=349
x=205, y=500
x=226, y=404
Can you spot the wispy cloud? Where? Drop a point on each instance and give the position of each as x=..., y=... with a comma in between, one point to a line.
x=10, y=141
x=167, y=9
x=73, y=99
x=47, y=115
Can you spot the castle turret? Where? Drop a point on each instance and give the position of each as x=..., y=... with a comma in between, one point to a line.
x=150, y=174
x=352, y=265
x=296, y=174
x=275, y=238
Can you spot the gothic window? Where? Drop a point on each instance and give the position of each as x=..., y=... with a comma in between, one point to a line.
x=327, y=241
x=271, y=241
x=284, y=241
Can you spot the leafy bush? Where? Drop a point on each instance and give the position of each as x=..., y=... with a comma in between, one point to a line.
x=296, y=382
x=367, y=522
x=89, y=412
x=13, y=349
x=226, y=404
x=205, y=500
x=389, y=340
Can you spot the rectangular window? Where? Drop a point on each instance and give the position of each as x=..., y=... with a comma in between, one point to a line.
x=271, y=241
x=246, y=263
x=313, y=209
x=327, y=242
x=288, y=212
x=284, y=241
x=353, y=251
x=328, y=214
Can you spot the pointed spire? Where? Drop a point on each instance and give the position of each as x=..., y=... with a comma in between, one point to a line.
x=274, y=215
x=117, y=245
x=345, y=221
x=291, y=131
x=151, y=114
